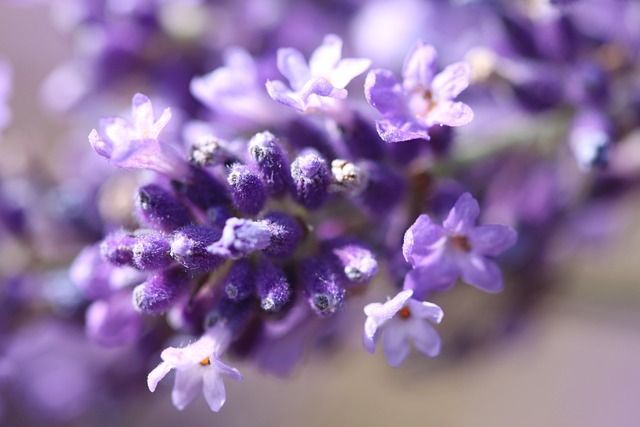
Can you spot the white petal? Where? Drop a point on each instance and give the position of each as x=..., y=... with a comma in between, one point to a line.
x=157, y=374
x=187, y=386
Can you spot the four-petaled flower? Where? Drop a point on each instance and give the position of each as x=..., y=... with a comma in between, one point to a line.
x=422, y=100
x=399, y=320
x=197, y=368
x=137, y=146
x=314, y=86
x=440, y=254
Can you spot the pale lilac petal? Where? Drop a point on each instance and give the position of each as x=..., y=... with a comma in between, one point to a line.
x=450, y=114
x=293, y=66
x=492, y=239
x=369, y=336
x=425, y=310
x=481, y=273
x=279, y=92
x=419, y=67
x=382, y=312
x=142, y=112
x=395, y=346
x=187, y=386
x=149, y=154
x=326, y=57
x=451, y=81
x=384, y=92
x=156, y=128
x=425, y=338
x=348, y=69
x=463, y=215
x=420, y=237
x=213, y=389
x=100, y=145
x=398, y=129
x=227, y=370
x=435, y=276
x=321, y=87
x=116, y=129
x=157, y=375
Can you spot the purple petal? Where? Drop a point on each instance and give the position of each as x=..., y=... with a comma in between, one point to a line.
x=348, y=69
x=426, y=339
x=398, y=129
x=116, y=129
x=187, y=386
x=450, y=114
x=213, y=389
x=326, y=57
x=279, y=92
x=419, y=67
x=157, y=375
x=321, y=87
x=142, y=112
x=463, y=215
x=395, y=346
x=451, y=81
x=492, y=239
x=369, y=336
x=227, y=370
x=383, y=312
x=293, y=66
x=100, y=145
x=419, y=238
x=481, y=273
x=438, y=275
x=425, y=310
x=384, y=92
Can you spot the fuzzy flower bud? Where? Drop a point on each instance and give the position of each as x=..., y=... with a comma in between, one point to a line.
x=202, y=189
x=286, y=233
x=117, y=248
x=346, y=177
x=325, y=294
x=152, y=251
x=189, y=247
x=239, y=283
x=208, y=151
x=311, y=178
x=271, y=163
x=354, y=258
x=247, y=190
x=158, y=208
x=160, y=291
x=272, y=286
x=240, y=237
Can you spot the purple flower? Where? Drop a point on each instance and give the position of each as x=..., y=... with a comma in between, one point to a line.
x=198, y=367
x=313, y=85
x=5, y=90
x=240, y=237
x=422, y=100
x=136, y=145
x=235, y=92
x=439, y=254
x=402, y=318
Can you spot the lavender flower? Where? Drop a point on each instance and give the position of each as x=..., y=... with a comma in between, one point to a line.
x=5, y=91
x=198, y=368
x=240, y=237
x=422, y=100
x=399, y=320
x=439, y=254
x=136, y=145
x=315, y=84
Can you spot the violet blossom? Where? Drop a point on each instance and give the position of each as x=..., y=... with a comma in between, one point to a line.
x=458, y=248
x=399, y=320
x=198, y=368
x=136, y=145
x=423, y=99
x=315, y=84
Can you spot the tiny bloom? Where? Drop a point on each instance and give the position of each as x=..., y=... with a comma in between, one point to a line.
x=198, y=367
x=314, y=84
x=440, y=254
x=240, y=237
x=422, y=100
x=399, y=320
x=137, y=146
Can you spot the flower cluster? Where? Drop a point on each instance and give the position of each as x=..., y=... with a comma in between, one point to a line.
x=290, y=171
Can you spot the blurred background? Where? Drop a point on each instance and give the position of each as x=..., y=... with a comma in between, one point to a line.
x=570, y=360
